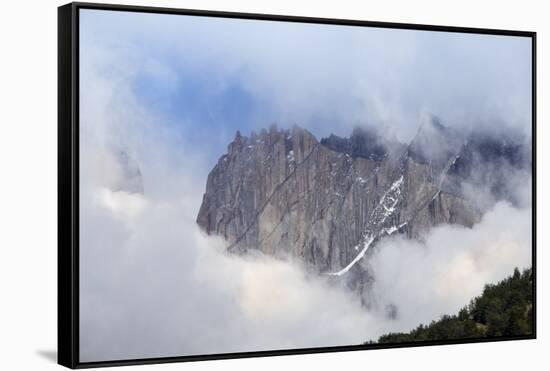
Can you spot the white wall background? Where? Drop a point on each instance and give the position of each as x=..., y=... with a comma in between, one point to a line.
x=28, y=165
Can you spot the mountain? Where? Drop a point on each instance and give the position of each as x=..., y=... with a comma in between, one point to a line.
x=329, y=202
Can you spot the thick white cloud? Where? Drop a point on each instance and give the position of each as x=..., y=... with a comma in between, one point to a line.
x=331, y=78
x=152, y=284
x=156, y=286
x=439, y=275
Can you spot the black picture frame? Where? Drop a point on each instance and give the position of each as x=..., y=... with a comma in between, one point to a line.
x=68, y=179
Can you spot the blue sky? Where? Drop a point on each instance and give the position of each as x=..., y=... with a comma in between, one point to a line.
x=207, y=77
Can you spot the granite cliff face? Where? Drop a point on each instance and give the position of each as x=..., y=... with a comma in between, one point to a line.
x=329, y=202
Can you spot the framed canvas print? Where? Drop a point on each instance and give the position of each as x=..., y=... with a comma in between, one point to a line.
x=237, y=185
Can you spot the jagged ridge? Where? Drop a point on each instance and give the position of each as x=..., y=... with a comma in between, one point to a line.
x=329, y=202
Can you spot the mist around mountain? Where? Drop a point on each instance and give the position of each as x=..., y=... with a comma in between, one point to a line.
x=330, y=203
x=334, y=204
x=299, y=243
x=365, y=235
x=328, y=261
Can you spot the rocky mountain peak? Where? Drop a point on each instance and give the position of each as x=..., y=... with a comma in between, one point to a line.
x=329, y=203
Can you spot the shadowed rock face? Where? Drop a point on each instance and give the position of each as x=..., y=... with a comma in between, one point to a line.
x=364, y=143
x=327, y=203
x=130, y=180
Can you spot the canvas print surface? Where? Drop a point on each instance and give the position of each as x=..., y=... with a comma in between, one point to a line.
x=251, y=185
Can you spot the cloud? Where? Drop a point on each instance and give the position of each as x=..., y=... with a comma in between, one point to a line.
x=441, y=274
x=325, y=78
x=152, y=284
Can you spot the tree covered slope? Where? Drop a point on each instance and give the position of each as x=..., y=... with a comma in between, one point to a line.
x=504, y=309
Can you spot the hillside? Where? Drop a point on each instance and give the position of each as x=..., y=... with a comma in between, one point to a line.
x=504, y=309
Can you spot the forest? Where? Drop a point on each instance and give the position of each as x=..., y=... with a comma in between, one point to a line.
x=503, y=309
